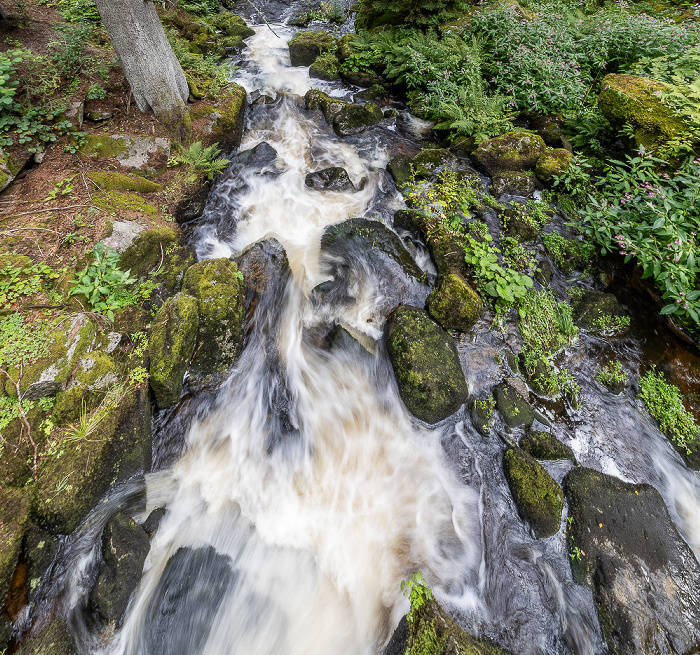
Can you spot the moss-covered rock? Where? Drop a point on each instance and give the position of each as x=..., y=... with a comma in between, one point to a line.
x=596, y=311
x=14, y=520
x=366, y=80
x=218, y=287
x=543, y=445
x=124, y=549
x=400, y=169
x=481, y=414
x=231, y=25
x=147, y=251
x=95, y=372
x=306, y=46
x=538, y=497
x=513, y=407
x=454, y=304
x=551, y=163
x=550, y=128
x=112, y=181
x=514, y=183
x=38, y=550
x=70, y=404
x=346, y=46
x=142, y=152
x=519, y=224
x=447, y=252
x=228, y=125
x=72, y=481
x=325, y=67
x=637, y=101
x=426, y=364
x=623, y=543
x=430, y=161
x=513, y=151
x=54, y=639
x=118, y=201
x=354, y=119
x=330, y=107
x=171, y=346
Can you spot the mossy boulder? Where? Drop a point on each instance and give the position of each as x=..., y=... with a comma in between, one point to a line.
x=147, y=251
x=432, y=631
x=325, y=67
x=54, y=639
x=228, y=126
x=513, y=151
x=119, y=201
x=552, y=163
x=354, y=119
x=112, y=181
x=550, y=128
x=514, y=183
x=545, y=446
x=218, y=287
x=71, y=482
x=95, y=372
x=624, y=544
x=538, y=497
x=447, y=252
x=231, y=25
x=149, y=153
x=15, y=507
x=515, y=410
x=365, y=79
x=431, y=160
x=306, y=46
x=170, y=347
x=399, y=168
x=38, y=550
x=426, y=365
x=481, y=414
x=125, y=546
x=454, y=304
x=594, y=310
x=346, y=46
x=519, y=224
x=637, y=101
x=331, y=107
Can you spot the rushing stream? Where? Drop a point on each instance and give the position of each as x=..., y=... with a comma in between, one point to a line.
x=304, y=493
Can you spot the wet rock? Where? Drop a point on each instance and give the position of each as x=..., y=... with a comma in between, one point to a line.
x=550, y=128
x=230, y=116
x=325, y=68
x=595, y=309
x=481, y=414
x=514, y=183
x=354, y=119
x=637, y=101
x=359, y=252
x=538, y=497
x=262, y=99
x=552, y=163
x=519, y=224
x=124, y=549
x=644, y=577
x=171, y=346
x=231, y=25
x=14, y=517
x=185, y=601
x=514, y=408
x=259, y=158
x=400, y=169
x=331, y=107
x=430, y=624
x=218, y=287
x=306, y=46
x=544, y=273
x=545, y=446
x=147, y=251
x=330, y=179
x=39, y=548
x=70, y=485
x=448, y=254
x=152, y=522
x=408, y=220
x=302, y=20
x=426, y=365
x=454, y=304
x=432, y=160
x=513, y=151
x=54, y=639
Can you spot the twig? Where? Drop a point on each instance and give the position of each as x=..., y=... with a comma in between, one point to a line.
x=20, y=229
x=161, y=258
x=43, y=211
x=86, y=185
x=264, y=19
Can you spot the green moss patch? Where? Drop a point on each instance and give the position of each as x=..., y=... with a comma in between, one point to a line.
x=454, y=304
x=543, y=445
x=513, y=151
x=306, y=46
x=552, y=163
x=116, y=201
x=147, y=251
x=112, y=181
x=14, y=520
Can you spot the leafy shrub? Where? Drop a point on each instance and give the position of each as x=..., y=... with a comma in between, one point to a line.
x=79, y=11
x=201, y=7
x=8, y=86
x=672, y=69
x=665, y=403
x=546, y=324
x=414, y=13
x=653, y=218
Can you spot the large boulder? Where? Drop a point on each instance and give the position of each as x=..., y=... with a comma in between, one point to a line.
x=354, y=119
x=426, y=365
x=453, y=303
x=513, y=151
x=218, y=287
x=331, y=107
x=624, y=545
x=538, y=497
x=637, y=101
x=124, y=549
x=171, y=346
x=325, y=68
x=552, y=163
x=545, y=446
x=334, y=178
x=306, y=46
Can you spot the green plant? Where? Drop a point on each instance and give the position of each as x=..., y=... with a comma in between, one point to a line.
x=60, y=188
x=331, y=11
x=27, y=281
x=419, y=13
x=516, y=257
x=79, y=11
x=103, y=284
x=89, y=422
x=568, y=254
x=201, y=7
x=546, y=325
x=485, y=408
x=417, y=592
x=67, y=52
x=200, y=160
x=665, y=404
x=611, y=375
x=607, y=325
x=8, y=87
x=576, y=554
x=96, y=92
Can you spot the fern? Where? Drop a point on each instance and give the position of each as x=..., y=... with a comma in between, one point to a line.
x=201, y=160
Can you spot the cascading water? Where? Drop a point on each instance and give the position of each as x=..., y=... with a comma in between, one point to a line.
x=305, y=492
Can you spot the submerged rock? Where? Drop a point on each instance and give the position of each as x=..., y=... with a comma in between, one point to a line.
x=171, y=346
x=426, y=365
x=330, y=179
x=124, y=549
x=306, y=46
x=514, y=408
x=538, y=497
x=454, y=304
x=545, y=446
x=624, y=545
x=513, y=151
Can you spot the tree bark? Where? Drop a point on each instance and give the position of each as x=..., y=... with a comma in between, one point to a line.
x=149, y=63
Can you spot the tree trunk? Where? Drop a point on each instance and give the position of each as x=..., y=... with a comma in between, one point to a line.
x=149, y=63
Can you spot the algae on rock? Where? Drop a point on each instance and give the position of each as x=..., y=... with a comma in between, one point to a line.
x=453, y=303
